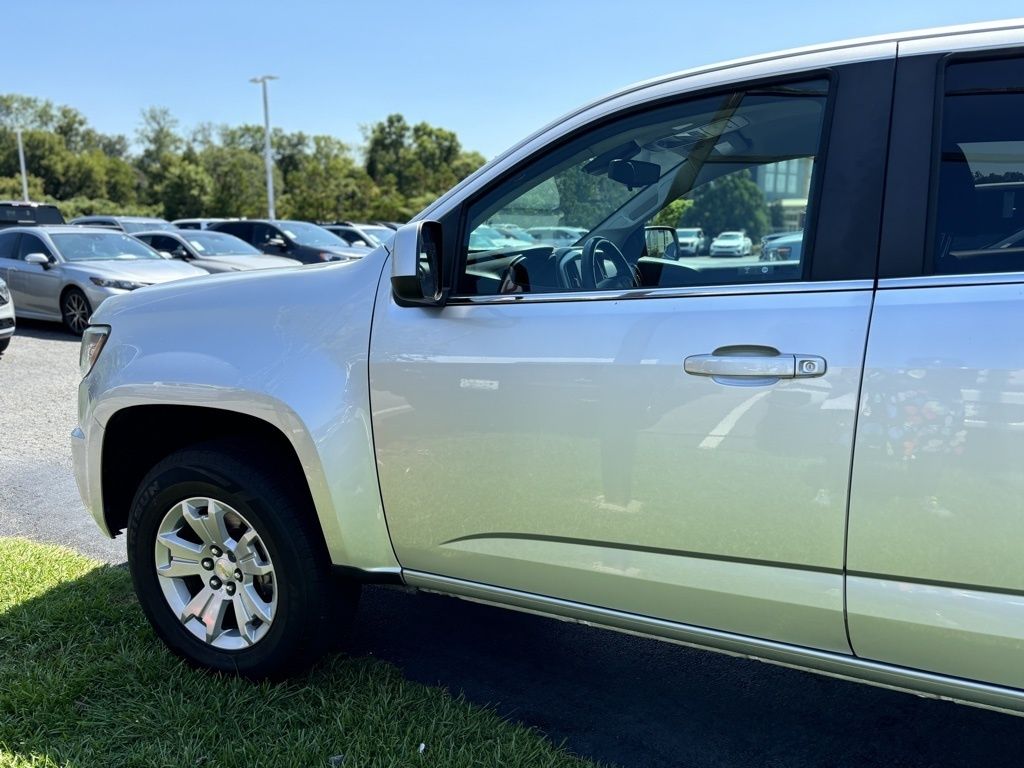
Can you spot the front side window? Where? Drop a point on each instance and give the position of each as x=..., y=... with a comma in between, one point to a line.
x=736, y=166
x=979, y=212
x=31, y=244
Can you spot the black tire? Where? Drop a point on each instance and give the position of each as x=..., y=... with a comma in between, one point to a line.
x=72, y=303
x=4, y=343
x=313, y=606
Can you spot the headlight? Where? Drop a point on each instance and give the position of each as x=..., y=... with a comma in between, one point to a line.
x=5, y=293
x=124, y=285
x=93, y=339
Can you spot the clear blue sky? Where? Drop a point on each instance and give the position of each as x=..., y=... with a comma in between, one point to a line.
x=490, y=71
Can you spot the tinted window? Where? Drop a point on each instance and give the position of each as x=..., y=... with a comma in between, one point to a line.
x=242, y=229
x=31, y=244
x=740, y=162
x=262, y=234
x=978, y=221
x=29, y=214
x=8, y=245
x=163, y=243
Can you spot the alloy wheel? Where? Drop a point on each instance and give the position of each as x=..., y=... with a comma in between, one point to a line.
x=215, y=573
x=76, y=312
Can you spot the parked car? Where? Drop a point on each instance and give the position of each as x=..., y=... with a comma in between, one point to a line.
x=16, y=213
x=6, y=316
x=488, y=238
x=64, y=273
x=299, y=240
x=731, y=244
x=557, y=236
x=788, y=247
x=195, y=223
x=692, y=241
x=765, y=239
x=129, y=224
x=213, y=251
x=361, y=235
x=816, y=463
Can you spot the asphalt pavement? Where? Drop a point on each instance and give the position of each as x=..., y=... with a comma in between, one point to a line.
x=620, y=699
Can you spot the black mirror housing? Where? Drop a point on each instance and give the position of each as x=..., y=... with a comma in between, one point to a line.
x=634, y=173
x=417, y=264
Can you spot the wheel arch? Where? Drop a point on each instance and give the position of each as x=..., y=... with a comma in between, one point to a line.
x=130, y=449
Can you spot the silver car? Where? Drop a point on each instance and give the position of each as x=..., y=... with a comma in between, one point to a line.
x=64, y=273
x=6, y=316
x=213, y=251
x=815, y=461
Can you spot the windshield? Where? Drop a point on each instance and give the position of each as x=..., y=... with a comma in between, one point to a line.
x=220, y=244
x=687, y=232
x=101, y=246
x=147, y=225
x=305, y=233
x=729, y=236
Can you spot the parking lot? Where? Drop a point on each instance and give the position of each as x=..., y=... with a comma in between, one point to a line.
x=615, y=698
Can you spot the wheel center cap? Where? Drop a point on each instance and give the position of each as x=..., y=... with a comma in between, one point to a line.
x=224, y=570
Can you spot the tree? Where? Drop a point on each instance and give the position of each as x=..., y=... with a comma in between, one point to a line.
x=416, y=161
x=239, y=182
x=327, y=184
x=160, y=143
x=672, y=214
x=732, y=202
x=187, y=189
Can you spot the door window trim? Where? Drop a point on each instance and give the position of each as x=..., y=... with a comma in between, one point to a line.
x=830, y=155
x=906, y=257
x=828, y=73
x=731, y=289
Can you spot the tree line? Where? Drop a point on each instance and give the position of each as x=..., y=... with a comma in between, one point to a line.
x=218, y=170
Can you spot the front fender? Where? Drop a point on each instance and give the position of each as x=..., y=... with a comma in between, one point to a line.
x=289, y=349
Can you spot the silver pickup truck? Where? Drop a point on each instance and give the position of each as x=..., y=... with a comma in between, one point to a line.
x=817, y=461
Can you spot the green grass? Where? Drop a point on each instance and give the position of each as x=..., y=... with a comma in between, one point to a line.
x=85, y=682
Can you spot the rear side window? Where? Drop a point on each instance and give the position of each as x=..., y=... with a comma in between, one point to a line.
x=8, y=245
x=978, y=220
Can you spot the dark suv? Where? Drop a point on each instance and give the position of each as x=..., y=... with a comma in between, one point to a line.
x=15, y=213
x=300, y=240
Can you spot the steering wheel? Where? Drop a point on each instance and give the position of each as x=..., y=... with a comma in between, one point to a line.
x=624, y=276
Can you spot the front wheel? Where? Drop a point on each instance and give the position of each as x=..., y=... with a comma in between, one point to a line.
x=4, y=343
x=229, y=565
x=75, y=311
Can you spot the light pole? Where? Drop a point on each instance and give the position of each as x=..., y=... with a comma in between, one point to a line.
x=21, y=160
x=267, y=160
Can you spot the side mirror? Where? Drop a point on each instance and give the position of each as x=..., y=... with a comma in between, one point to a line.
x=38, y=258
x=662, y=242
x=277, y=242
x=416, y=263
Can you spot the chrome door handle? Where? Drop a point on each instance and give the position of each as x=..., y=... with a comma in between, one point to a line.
x=755, y=366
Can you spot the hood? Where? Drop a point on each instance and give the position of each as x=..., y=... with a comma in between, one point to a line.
x=264, y=261
x=211, y=297
x=148, y=271
x=349, y=252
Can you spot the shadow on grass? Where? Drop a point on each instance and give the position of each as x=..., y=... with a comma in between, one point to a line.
x=640, y=702
x=84, y=682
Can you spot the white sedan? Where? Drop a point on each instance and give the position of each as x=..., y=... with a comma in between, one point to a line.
x=731, y=244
